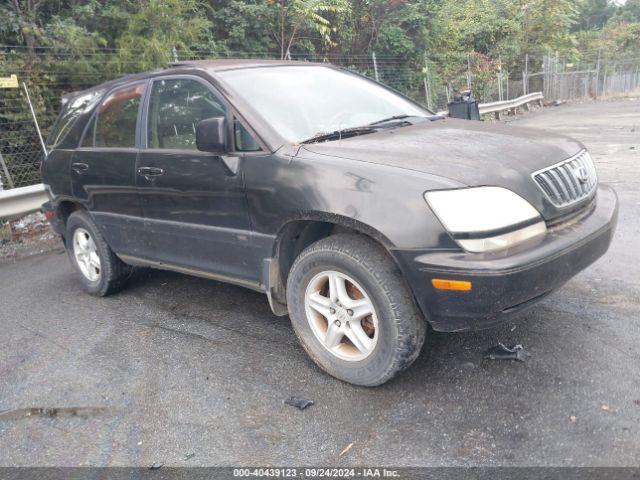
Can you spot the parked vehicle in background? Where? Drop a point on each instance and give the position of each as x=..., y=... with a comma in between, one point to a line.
x=358, y=212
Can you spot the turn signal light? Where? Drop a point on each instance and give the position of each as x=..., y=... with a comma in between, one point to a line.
x=458, y=285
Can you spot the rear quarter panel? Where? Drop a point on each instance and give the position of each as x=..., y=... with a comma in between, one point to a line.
x=55, y=174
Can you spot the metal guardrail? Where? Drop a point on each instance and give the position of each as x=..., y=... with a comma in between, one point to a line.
x=499, y=107
x=23, y=200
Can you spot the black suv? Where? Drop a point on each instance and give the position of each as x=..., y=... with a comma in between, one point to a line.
x=358, y=212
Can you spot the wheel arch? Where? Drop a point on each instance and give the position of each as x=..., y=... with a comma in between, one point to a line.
x=65, y=208
x=297, y=234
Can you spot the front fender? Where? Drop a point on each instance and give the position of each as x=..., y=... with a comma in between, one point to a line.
x=385, y=202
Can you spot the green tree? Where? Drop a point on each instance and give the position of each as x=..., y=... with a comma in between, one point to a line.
x=594, y=14
x=294, y=16
x=244, y=26
x=629, y=12
x=484, y=26
x=160, y=29
x=547, y=25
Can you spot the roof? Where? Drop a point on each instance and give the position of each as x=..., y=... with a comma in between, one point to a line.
x=237, y=63
x=210, y=65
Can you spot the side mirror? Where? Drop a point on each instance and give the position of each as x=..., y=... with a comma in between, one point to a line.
x=211, y=135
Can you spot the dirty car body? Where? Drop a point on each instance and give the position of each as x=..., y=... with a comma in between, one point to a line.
x=506, y=214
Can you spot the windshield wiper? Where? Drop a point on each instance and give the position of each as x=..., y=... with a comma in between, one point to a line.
x=388, y=119
x=338, y=134
x=404, y=117
x=362, y=130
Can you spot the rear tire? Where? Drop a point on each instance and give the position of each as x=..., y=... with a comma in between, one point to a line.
x=371, y=329
x=100, y=271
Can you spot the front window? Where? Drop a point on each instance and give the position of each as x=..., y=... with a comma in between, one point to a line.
x=176, y=107
x=301, y=102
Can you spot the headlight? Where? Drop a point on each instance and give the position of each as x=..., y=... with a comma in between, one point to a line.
x=484, y=219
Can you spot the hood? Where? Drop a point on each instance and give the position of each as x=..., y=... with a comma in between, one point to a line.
x=470, y=152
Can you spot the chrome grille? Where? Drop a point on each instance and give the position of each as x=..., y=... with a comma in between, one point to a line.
x=569, y=181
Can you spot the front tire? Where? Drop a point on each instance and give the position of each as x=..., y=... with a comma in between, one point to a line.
x=100, y=271
x=352, y=310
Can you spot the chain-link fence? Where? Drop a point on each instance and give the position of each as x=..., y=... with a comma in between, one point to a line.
x=20, y=148
x=432, y=80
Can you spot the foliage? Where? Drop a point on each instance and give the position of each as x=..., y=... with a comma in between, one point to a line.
x=486, y=26
x=159, y=30
x=243, y=27
x=76, y=43
x=629, y=12
x=149, y=30
x=548, y=24
x=594, y=14
x=294, y=16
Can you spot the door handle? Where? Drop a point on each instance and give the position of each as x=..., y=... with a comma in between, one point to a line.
x=150, y=171
x=79, y=168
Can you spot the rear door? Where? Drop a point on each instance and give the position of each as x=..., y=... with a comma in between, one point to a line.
x=103, y=169
x=194, y=204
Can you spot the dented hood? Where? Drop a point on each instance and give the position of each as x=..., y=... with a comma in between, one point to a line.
x=470, y=152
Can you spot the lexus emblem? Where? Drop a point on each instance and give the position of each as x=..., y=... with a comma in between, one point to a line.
x=581, y=174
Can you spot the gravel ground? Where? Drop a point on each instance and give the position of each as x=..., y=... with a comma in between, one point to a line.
x=184, y=371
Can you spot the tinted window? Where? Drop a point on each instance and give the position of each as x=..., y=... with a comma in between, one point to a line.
x=117, y=117
x=87, y=141
x=244, y=141
x=175, y=108
x=69, y=115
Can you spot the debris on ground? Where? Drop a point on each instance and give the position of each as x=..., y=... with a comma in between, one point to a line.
x=467, y=366
x=189, y=456
x=299, y=402
x=5, y=232
x=346, y=449
x=605, y=408
x=52, y=412
x=573, y=418
x=502, y=352
x=27, y=236
x=156, y=466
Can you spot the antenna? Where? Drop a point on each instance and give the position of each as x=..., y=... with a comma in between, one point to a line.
x=35, y=120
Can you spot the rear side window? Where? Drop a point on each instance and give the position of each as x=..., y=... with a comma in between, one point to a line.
x=89, y=136
x=69, y=116
x=175, y=108
x=117, y=117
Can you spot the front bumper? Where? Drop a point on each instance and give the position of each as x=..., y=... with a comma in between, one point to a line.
x=504, y=283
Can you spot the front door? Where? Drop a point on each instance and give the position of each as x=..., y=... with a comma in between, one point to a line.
x=194, y=204
x=103, y=169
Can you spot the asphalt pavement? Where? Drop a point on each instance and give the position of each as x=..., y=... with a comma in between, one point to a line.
x=187, y=372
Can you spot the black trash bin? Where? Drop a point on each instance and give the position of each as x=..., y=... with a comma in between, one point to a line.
x=464, y=106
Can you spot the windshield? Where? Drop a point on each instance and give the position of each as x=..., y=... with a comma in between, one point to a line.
x=301, y=102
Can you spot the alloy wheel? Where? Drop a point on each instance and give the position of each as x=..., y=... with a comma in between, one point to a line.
x=86, y=254
x=341, y=315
